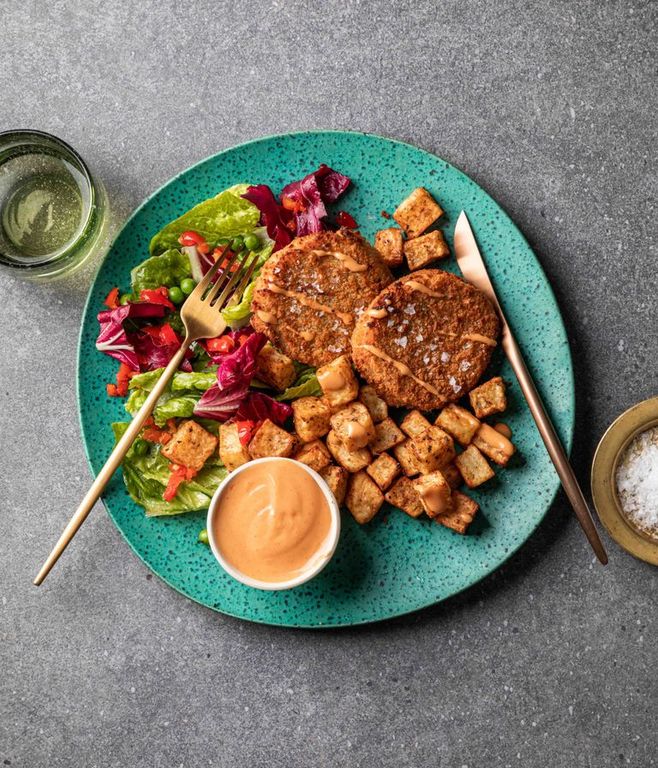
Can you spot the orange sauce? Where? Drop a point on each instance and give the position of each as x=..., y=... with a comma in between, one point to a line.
x=504, y=430
x=330, y=381
x=272, y=520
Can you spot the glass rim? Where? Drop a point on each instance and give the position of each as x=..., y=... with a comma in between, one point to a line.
x=25, y=133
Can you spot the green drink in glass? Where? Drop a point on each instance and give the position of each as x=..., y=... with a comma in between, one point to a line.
x=53, y=213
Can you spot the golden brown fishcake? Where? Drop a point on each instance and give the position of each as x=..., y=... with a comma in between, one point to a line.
x=432, y=346
x=310, y=294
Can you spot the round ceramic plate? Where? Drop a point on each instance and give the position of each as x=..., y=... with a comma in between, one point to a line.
x=395, y=564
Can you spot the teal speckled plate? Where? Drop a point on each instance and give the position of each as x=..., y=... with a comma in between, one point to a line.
x=395, y=564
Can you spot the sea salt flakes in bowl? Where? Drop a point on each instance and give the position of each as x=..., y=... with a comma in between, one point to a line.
x=637, y=482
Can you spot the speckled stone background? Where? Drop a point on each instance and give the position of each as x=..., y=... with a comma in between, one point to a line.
x=550, y=662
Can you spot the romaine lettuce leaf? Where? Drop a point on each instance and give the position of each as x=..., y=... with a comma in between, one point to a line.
x=305, y=385
x=146, y=478
x=238, y=313
x=178, y=400
x=225, y=215
x=169, y=268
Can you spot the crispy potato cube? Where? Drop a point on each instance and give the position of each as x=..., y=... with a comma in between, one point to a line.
x=419, y=211
x=336, y=478
x=383, y=470
x=404, y=496
x=190, y=445
x=311, y=417
x=425, y=249
x=275, y=368
x=364, y=499
x=374, y=403
x=231, y=451
x=414, y=423
x=463, y=512
x=387, y=435
x=452, y=475
x=435, y=493
x=406, y=458
x=314, y=454
x=353, y=426
x=458, y=423
x=352, y=461
x=489, y=397
x=474, y=468
x=338, y=381
x=271, y=440
x=493, y=445
x=389, y=242
x=432, y=449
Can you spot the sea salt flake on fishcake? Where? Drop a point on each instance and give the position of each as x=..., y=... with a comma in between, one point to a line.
x=310, y=294
x=449, y=340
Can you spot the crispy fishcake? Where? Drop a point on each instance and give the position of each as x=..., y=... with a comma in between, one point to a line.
x=423, y=350
x=310, y=294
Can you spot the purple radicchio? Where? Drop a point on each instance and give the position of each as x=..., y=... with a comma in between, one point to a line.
x=113, y=339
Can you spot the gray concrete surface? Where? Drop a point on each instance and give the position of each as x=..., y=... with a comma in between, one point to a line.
x=550, y=662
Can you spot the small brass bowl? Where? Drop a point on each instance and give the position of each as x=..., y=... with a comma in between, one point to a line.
x=609, y=452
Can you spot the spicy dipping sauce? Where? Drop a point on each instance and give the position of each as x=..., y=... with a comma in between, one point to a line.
x=272, y=521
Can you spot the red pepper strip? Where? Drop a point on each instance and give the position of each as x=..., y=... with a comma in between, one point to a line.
x=112, y=299
x=221, y=344
x=178, y=475
x=345, y=220
x=194, y=238
x=112, y=390
x=246, y=430
x=120, y=389
x=296, y=206
x=156, y=296
x=154, y=435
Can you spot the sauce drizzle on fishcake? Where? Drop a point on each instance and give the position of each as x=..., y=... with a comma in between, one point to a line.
x=302, y=298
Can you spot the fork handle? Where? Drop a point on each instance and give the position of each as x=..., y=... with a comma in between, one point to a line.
x=552, y=442
x=113, y=462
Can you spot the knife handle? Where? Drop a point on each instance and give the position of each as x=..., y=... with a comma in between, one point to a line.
x=552, y=443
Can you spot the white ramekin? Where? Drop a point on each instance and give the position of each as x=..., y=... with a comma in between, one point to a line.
x=316, y=564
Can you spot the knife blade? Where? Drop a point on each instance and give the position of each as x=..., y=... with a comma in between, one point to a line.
x=474, y=270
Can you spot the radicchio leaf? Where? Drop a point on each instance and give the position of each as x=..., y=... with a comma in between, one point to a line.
x=257, y=407
x=273, y=216
x=155, y=346
x=310, y=194
x=113, y=339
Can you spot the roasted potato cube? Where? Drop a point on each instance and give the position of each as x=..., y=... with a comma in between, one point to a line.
x=231, y=451
x=374, y=403
x=314, y=454
x=389, y=243
x=414, y=423
x=190, y=445
x=404, y=496
x=352, y=461
x=452, y=475
x=419, y=211
x=336, y=478
x=353, y=426
x=458, y=422
x=387, y=435
x=338, y=381
x=435, y=493
x=462, y=514
x=406, y=458
x=493, y=445
x=383, y=470
x=311, y=417
x=271, y=440
x=425, y=249
x=364, y=499
x=474, y=468
x=432, y=449
x=489, y=397
x=275, y=368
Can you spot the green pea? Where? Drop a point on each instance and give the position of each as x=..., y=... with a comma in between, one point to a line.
x=203, y=536
x=251, y=242
x=176, y=295
x=141, y=447
x=237, y=244
x=187, y=285
x=223, y=242
x=125, y=298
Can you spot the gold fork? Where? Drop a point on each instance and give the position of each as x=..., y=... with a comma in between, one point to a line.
x=201, y=316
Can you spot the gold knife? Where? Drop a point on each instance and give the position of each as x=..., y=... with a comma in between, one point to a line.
x=473, y=268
